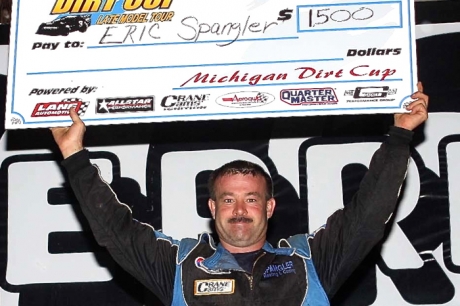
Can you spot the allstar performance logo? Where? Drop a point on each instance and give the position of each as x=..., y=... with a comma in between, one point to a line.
x=124, y=105
x=54, y=109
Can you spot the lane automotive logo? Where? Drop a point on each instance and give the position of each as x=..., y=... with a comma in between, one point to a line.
x=184, y=102
x=245, y=99
x=53, y=109
x=124, y=105
x=214, y=286
x=373, y=52
x=309, y=96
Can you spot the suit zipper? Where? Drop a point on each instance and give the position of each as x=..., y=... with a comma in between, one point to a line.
x=250, y=277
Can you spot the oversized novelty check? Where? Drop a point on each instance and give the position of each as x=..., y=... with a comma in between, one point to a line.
x=126, y=61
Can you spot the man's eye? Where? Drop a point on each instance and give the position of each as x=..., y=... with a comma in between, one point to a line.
x=228, y=200
x=252, y=200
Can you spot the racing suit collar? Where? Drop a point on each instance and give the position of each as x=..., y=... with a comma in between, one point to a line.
x=223, y=260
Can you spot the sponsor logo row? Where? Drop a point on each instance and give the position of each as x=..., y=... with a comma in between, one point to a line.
x=243, y=99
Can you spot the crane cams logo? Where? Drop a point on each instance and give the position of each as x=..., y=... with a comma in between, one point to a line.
x=214, y=286
x=245, y=99
x=124, y=105
x=54, y=109
x=184, y=102
x=309, y=96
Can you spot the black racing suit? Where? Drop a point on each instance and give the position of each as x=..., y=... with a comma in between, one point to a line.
x=301, y=270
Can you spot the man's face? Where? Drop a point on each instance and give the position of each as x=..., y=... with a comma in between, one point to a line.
x=241, y=211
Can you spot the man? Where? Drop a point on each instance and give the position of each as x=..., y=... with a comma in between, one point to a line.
x=243, y=269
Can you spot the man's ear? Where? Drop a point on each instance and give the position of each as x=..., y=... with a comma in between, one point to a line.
x=271, y=203
x=212, y=207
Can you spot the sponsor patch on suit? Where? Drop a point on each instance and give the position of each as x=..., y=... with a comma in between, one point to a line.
x=214, y=286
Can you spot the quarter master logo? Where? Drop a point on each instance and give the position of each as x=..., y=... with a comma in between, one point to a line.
x=53, y=109
x=126, y=104
x=371, y=94
x=309, y=96
x=245, y=99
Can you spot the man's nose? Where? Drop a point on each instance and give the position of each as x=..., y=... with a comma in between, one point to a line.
x=240, y=208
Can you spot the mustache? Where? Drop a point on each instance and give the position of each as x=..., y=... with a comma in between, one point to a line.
x=239, y=220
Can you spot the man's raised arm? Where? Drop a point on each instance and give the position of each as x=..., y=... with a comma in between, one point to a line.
x=145, y=253
x=350, y=233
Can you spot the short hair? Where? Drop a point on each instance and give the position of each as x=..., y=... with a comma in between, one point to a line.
x=240, y=167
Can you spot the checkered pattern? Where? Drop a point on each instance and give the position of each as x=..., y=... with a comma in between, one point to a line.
x=262, y=97
x=392, y=91
x=84, y=105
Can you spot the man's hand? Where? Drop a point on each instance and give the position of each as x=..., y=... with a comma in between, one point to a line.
x=418, y=111
x=70, y=139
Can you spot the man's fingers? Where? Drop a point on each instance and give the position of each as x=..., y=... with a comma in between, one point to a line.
x=420, y=86
x=420, y=112
x=57, y=129
x=57, y=132
x=418, y=108
x=419, y=95
x=74, y=116
x=415, y=103
x=420, y=98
